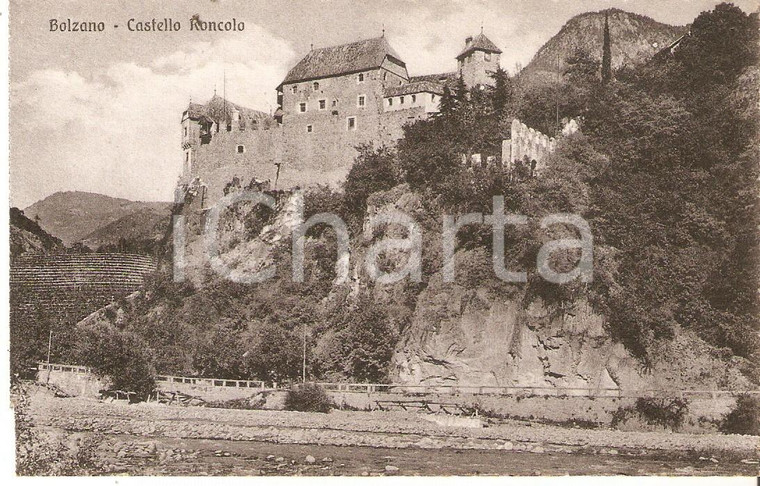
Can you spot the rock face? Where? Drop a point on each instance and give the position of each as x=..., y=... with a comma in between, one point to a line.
x=477, y=337
x=26, y=236
x=635, y=39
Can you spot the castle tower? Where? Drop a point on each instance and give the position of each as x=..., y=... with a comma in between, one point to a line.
x=478, y=60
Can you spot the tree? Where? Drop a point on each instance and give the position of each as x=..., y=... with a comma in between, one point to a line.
x=447, y=105
x=274, y=354
x=372, y=341
x=460, y=92
x=122, y=356
x=501, y=92
x=606, y=51
x=374, y=170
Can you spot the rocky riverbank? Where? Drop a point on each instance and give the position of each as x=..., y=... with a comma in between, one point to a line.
x=375, y=429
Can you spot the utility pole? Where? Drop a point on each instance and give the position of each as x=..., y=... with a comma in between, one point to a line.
x=277, y=176
x=50, y=345
x=559, y=82
x=303, y=377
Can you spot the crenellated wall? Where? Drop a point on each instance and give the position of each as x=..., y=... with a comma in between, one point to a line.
x=323, y=156
x=526, y=143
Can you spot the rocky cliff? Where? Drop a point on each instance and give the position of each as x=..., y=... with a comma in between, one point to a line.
x=635, y=39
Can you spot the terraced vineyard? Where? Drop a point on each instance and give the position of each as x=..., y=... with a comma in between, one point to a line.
x=74, y=285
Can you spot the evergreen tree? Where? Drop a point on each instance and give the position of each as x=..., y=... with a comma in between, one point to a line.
x=606, y=52
x=501, y=92
x=460, y=92
x=448, y=104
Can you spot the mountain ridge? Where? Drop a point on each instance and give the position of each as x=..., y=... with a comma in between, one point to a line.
x=635, y=39
x=76, y=215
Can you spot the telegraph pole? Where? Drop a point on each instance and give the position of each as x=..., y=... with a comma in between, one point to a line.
x=303, y=371
x=559, y=82
x=50, y=345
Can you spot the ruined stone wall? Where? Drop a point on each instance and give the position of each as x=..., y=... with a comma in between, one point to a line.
x=525, y=142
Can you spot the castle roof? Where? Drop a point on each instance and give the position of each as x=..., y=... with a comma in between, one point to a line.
x=428, y=83
x=344, y=59
x=218, y=108
x=443, y=79
x=479, y=43
x=414, y=87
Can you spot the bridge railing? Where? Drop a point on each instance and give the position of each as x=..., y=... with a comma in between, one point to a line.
x=522, y=391
x=188, y=380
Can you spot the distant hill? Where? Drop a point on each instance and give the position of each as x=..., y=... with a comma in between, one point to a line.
x=74, y=215
x=146, y=224
x=635, y=39
x=26, y=236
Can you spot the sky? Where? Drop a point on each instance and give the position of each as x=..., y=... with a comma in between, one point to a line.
x=100, y=112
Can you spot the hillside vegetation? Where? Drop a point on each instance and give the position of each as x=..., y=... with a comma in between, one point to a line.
x=26, y=236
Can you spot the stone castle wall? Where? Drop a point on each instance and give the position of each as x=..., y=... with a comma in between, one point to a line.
x=323, y=156
x=526, y=143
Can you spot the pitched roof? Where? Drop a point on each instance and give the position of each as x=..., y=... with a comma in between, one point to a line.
x=444, y=79
x=343, y=59
x=414, y=87
x=218, y=108
x=480, y=43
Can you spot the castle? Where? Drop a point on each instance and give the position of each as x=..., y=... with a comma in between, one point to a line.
x=333, y=100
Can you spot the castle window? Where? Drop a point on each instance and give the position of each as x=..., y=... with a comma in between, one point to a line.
x=360, y=77
x=295, y=88
x=361, y=101
x=488, y=56
x=187, y=156
x=401, y=100
x=309, y=128
x=185, y=132
x=390, y=101
x=352, y=123
x=316, y=86
x=302, y=107
x=414, y=98
x=241, y=149
x=335, y=102
x=385, y=76
x=322, y=104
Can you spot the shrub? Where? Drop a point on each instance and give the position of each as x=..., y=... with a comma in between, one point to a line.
x=744, y=418
x=663, y=412
x=122, y=356
x=308, y=397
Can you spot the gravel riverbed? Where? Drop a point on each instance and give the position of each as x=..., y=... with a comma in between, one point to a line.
x=127, y=426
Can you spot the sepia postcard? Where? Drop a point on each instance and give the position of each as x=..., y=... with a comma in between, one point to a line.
x=434, y=238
